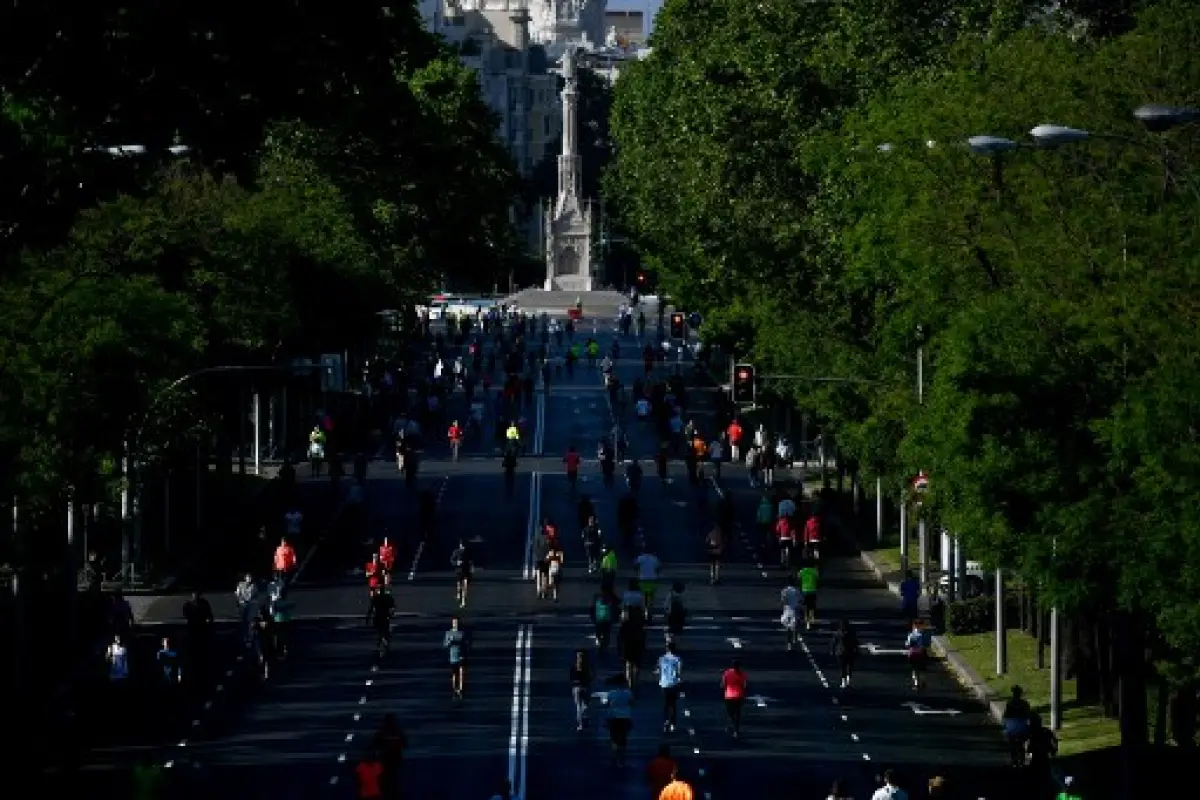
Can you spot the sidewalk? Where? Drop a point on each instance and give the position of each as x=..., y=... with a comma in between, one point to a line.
x=114, y=730
x=1082, y=761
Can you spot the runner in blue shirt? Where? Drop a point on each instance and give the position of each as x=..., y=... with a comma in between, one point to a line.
x=670, y=675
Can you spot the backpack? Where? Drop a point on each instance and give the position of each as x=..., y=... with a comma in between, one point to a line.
x=603, y=612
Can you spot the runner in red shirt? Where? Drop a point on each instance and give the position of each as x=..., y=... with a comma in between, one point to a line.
x=733, y=682
x=374, y=573
x=285, y=559
x=812, y=537
x=387, y=555
x=735, y=440
x=571, y=459
x=455, y=436
x=787, y=540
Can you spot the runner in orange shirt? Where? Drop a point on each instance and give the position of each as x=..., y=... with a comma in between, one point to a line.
x=677, y=790
x=285, y=559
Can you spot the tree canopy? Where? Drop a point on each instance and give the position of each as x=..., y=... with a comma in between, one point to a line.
x=800, y=174
x=195, y=186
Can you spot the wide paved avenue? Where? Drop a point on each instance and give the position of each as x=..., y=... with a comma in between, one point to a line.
x=300, y=734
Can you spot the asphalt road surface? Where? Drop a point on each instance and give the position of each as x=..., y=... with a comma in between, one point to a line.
x=300, y=733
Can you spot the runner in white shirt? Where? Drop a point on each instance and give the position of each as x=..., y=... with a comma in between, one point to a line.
x=118, y=661
x=789, y=598
x=889, y=790
x=649, y=569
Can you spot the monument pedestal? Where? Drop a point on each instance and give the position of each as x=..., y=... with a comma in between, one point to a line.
x=569, y=283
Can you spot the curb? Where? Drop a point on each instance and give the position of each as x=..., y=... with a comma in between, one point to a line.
x=963, y=672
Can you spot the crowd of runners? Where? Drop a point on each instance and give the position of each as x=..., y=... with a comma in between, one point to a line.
x=627, y=597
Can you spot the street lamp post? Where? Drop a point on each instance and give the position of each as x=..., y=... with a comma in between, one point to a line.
x=131, y=511
x=1156, y=119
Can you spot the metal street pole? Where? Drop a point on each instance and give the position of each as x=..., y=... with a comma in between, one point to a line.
x=131, y=469
x=72, y=573
x=1055, y=656
x=878, y=510
x=922, y=533
x=952, y=587
x=903, y=534
x=1055, y=671
x=922, y=552
x=1001, y=627
x=257, y=433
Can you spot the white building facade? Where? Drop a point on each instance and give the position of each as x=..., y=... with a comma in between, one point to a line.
x=517, y=47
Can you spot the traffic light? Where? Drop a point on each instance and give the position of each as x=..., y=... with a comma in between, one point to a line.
x=677, y=325
x=743, y=384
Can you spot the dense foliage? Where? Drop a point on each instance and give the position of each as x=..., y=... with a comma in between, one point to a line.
x=295, y=171
x=1054, y=289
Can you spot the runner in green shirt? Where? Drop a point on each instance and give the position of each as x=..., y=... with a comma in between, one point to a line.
x=608, y=569
x=808, y=589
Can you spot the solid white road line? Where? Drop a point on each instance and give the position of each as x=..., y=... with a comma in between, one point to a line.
x=518, y=740
x=539, y=423
x=531, y=531
x=412, y=572
x=526, y=694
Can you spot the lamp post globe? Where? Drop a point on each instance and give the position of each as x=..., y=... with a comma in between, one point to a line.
x=990, y=145
x=1160, y=118
x=1051, y=135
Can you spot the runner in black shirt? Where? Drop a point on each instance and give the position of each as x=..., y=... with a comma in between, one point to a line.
x=379, y=615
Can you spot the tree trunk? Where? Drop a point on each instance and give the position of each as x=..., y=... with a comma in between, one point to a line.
x=1106, y=662
x=1023, y=608
x=1160, y=712
x=1183, y=714
x=1042, y=633
x=1035, y=614
x=1081, y=659
x=1131, y=654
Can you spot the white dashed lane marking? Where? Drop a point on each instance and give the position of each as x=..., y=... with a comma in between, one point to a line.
x=753, y=551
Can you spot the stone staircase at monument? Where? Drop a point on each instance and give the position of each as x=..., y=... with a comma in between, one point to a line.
x=602, y=304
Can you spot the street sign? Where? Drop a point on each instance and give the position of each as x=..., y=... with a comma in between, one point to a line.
x=921, y=482
x=922, y=710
